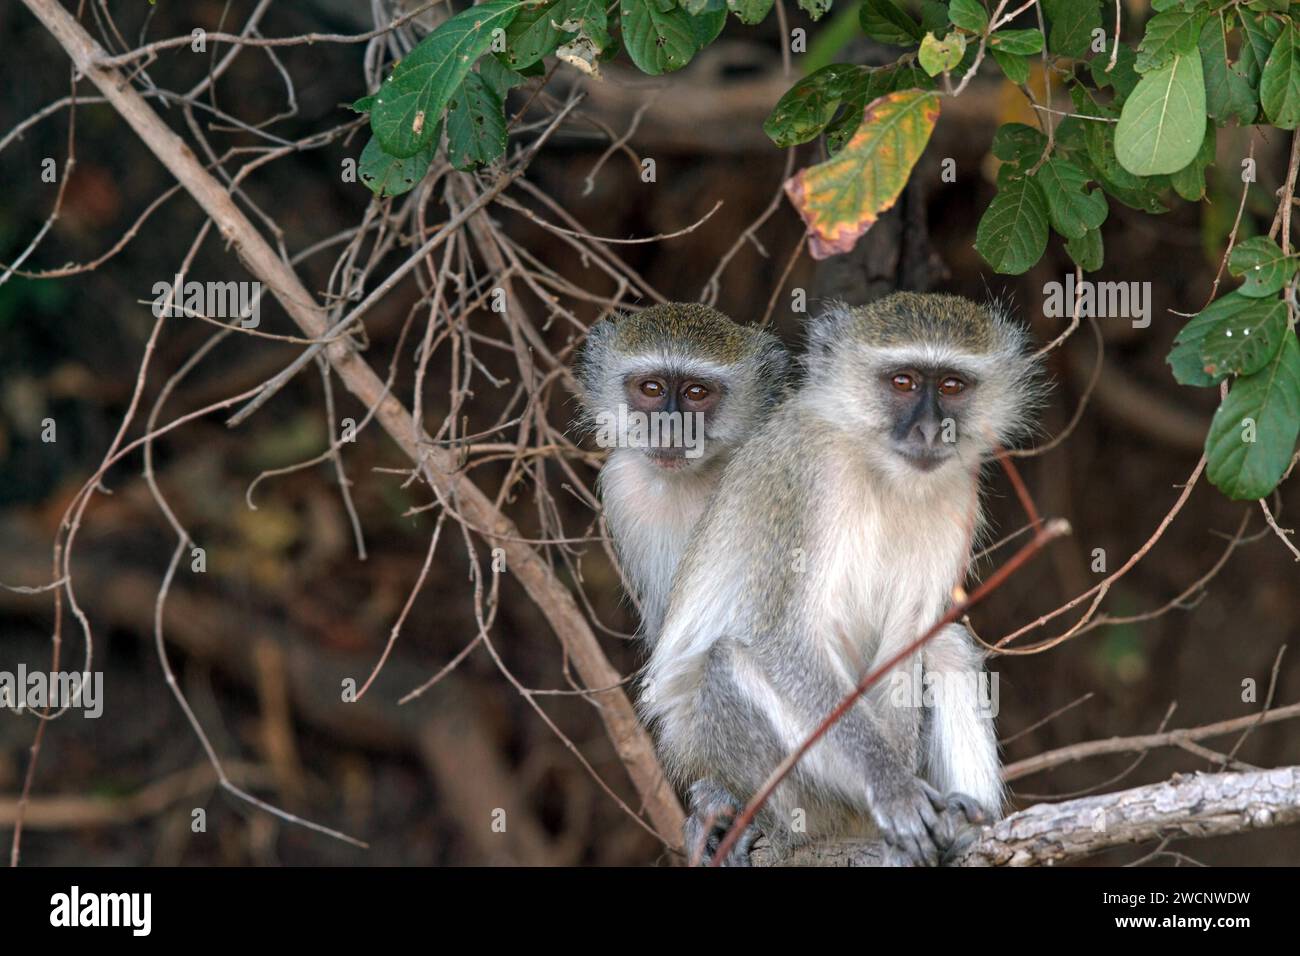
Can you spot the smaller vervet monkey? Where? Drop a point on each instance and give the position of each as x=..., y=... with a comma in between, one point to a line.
x=699, y=380
x=834, y=540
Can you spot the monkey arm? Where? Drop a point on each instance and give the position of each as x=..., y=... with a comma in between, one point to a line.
x=756, y=702
x=959, y=746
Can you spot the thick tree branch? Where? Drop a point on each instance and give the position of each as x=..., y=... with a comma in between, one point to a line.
x=1187, y=805
x=437, y=464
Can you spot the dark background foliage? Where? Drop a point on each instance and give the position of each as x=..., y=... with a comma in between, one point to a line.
x=285, y=610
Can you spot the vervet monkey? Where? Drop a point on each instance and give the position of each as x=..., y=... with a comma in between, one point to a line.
x=708, y=382
x=836, y=538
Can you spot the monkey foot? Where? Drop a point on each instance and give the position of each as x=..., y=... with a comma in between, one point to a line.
x=926, y=828
x=712, y=810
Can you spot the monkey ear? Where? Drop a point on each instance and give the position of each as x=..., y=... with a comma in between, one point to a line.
x=777, y=360
x=595, y=352
x=827, y=328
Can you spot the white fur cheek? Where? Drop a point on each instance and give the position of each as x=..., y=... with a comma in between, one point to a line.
x=652, y=515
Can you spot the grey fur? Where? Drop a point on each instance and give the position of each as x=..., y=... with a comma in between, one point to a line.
x=652, y=513
x=821, y=555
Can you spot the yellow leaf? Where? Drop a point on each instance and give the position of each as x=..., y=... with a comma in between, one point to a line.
x=841, y=198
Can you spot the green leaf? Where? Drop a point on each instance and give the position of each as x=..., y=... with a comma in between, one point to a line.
x=1279, y=85
x=1072, y=209
x=1136, y=192
x=533, y=34
x=1018, y=144
x=1228, y=93
x=1015, y=68
x=1163, y=122
x=751, y=12
x=708, y=26
x=1123, y=77
x=1189, y=182
x=1072, y=23
x=585, y=18
x=1263, y=265
x=841, y=198
x=1243, y=343
x=1264, y=407
x=1185, y=357
x=363, y=105
x=815, y=8
x=969, y=15
x=873, y=84
x=386, y=175
x=939, y=56
x=1167, y=35
x=1087, y=253
x=411, y=101
x=1257, y=37
x=934, y=17
x=658, y=41
x=803, y=112
x=1012, y=233
x=1019, y=42
x=500, y=77
x=883, y=21
x=476, y=124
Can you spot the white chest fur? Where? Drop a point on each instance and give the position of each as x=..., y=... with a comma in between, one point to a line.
x=887, y=564
x=652, y=513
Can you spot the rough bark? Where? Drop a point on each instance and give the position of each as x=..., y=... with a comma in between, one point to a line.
x=1185, y=806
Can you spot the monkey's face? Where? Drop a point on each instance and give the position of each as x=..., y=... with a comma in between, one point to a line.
x=926, y=409
x=920, y=413
x=678, y=411
x=927, y=388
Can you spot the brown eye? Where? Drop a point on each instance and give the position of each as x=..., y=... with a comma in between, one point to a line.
x=904, y=383
x=951, y=386
x=696, y=393
x=652, y=389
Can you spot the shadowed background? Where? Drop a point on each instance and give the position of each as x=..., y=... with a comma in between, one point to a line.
x=286, y=611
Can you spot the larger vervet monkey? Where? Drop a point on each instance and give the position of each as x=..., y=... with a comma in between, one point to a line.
x=836, y=538
x=691, y=365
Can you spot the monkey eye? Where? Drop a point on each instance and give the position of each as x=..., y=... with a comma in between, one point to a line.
x=903, y=382
x=951, y=386
x=696, y=392
x=652, y=389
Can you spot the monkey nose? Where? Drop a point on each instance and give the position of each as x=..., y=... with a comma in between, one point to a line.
x=929, y=431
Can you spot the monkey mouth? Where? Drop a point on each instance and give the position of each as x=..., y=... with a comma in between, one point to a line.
x=669, y=459
x=925, y=459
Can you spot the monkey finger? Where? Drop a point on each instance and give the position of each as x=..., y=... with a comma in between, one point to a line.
x=963, y=841
x=927, y=812
x=917, y=844
x=968, y=806
x=938, y=800
x=927, y=853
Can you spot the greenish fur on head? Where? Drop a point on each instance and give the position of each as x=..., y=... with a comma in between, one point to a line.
x=906, y=318
x=747, y=362
x=706, y=333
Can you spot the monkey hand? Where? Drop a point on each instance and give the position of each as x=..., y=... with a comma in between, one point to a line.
x=962, y=820
x=713, y=809
x=922, y=826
